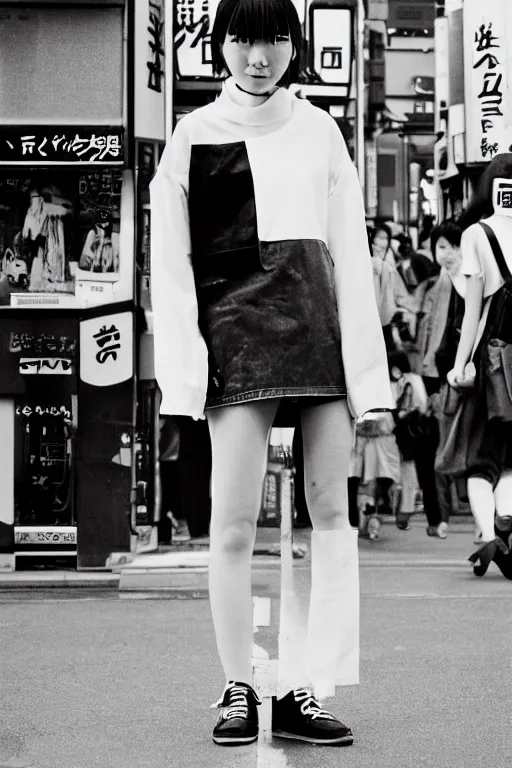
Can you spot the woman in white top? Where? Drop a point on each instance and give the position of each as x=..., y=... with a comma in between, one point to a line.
x=493, y=461
x=262, y=293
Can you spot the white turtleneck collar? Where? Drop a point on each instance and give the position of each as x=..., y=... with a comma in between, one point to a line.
x=276, y=109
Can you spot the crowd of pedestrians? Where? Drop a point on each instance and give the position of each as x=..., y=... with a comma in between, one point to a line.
x=447, y=323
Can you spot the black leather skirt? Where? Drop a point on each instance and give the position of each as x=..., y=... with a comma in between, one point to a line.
x=269, y=317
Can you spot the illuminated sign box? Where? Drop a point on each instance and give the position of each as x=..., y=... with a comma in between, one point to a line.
x=330, y=42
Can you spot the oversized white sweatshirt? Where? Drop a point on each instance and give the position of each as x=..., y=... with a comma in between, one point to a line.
x=306, y=187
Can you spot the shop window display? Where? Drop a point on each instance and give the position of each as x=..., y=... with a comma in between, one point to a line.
x=57, y=227
x=43, y=464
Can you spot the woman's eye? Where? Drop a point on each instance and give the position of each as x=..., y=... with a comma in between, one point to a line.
x=281, y=39
x=242, y=40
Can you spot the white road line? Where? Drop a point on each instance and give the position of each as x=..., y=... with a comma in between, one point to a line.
x=432, y=596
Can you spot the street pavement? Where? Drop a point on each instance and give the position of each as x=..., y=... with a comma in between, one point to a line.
x=90, y=677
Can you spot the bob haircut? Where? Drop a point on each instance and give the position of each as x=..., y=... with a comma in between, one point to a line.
x=399, y=360
x=480, y=205
x=381, y=227
x=450, y=230
x=257, y=20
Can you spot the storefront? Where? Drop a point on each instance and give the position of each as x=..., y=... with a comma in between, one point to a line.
x=67, y=274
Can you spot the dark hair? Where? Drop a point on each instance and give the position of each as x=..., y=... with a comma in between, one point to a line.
x=481, y=206
x=399, y=360
x=381, y=227
x=257, y=20
x=448, y=229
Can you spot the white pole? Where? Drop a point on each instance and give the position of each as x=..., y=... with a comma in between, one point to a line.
x=168, y=63
x=359, y=56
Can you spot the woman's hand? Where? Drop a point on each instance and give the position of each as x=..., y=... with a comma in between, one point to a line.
x=454, y=377
x=462, y=378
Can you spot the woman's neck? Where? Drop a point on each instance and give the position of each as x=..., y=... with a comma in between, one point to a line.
x=245, y=99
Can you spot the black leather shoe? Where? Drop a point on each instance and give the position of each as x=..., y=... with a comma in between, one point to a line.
x=299, y=716
x=238, y=720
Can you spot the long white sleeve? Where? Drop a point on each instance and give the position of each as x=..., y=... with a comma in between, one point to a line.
x=362, y=340
x=181, y=358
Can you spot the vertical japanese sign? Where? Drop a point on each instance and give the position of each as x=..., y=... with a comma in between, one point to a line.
x=149, y=70
x=106, y=349
x=193, y=21
x=488, y=78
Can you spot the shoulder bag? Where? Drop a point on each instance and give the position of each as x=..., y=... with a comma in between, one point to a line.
x=497, y=353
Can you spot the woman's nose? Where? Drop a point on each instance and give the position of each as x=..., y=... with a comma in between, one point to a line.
x=258, y=57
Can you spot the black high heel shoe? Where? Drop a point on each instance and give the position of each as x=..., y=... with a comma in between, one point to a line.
x=485, y=554
x=503, y=558
x=496, y=551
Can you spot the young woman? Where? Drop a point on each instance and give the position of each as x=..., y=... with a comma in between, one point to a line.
x=489, y=476
x=393, y=300
x=262, y=293
x=441, y=312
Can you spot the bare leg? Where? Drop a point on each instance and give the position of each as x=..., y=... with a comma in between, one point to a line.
x=239, y=435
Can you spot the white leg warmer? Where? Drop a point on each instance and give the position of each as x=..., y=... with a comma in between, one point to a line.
x=503, y=494
x=332, y=643
x=481, y=500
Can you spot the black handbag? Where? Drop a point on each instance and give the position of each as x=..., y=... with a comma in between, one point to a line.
x=497, y=351
x=412, y=427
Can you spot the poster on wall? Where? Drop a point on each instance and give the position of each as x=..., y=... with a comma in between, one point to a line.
x=57, y=226
x=488, y=78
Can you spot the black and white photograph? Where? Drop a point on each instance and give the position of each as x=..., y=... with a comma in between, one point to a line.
x=255, y=383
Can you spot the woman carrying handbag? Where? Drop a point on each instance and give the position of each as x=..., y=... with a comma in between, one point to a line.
x=487, y=261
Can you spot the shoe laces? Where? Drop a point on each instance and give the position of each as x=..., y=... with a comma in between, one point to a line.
x=234, y=700
x=309, y=706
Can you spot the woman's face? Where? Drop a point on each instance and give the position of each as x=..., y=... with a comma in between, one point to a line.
x=380, y=242
x=257, y=67
x=447, y=255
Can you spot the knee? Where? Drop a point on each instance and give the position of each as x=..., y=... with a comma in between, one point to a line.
x=328, y=510
x=235, y=537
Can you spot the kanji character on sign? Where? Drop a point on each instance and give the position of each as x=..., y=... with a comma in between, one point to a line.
x=492, y=61
x=27, y=144
x=484, y=38
x=108, y=339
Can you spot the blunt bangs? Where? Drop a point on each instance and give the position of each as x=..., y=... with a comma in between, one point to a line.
x=257, y=20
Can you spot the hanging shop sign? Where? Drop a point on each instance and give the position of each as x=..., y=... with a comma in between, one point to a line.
x=106, y=349
x=330, y=42
x=56, y=227
x=38, y=354
x=192, y=27
x=488, y=78
x=412, y=15
x=149, y=112
x=61, y=145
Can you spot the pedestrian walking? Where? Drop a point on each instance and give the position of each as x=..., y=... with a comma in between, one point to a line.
x=261, y=277
x=485, y=423
x=417, y=437
x=441, y=312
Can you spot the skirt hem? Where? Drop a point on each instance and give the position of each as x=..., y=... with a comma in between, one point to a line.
x=278, y=392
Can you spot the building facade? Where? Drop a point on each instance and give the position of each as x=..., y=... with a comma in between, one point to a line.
x=81, y=126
